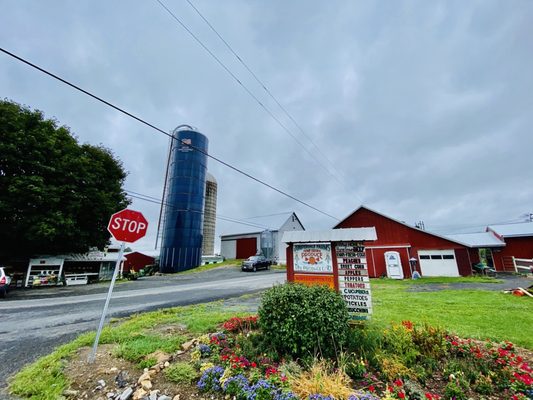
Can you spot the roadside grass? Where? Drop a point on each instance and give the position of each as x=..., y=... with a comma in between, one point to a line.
x=136, y=349
x=44, y=379
x=208, y=267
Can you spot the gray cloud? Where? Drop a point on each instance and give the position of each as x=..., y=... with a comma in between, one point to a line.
x=424, y=108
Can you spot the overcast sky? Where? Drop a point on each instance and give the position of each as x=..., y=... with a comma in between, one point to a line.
x=423, y=110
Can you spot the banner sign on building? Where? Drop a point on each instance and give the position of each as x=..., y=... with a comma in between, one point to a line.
x=313, y=257
x=354, y=284
x=315, y=279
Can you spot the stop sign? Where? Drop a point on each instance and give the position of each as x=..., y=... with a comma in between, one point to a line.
x=127, y=225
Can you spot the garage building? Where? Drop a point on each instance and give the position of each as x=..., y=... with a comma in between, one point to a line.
x=244, y=245
x=400, y=249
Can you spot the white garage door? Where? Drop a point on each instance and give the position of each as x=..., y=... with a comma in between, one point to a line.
x=438, y=263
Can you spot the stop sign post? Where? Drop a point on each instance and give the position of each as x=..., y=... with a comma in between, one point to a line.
x=125, y=226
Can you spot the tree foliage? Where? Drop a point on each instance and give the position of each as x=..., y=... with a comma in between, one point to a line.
x=56, y=196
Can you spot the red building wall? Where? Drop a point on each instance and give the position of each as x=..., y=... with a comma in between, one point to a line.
x=246, y=247
x=407, y=241
x=137, y=261
x=518, y=247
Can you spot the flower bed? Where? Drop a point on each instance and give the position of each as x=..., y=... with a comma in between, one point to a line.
x=405, y=361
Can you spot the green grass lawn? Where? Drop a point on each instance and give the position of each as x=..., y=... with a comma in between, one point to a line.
x=479, y=314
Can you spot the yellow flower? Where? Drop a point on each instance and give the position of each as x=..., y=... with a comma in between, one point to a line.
x=205, y=366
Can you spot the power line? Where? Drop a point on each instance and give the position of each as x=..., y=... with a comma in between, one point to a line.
x=155, y=200
x=248, y=91
x=261, y=83
x=166, y=133
x=270, y=215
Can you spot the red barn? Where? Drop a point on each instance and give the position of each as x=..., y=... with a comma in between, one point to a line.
x=518, y=240
x=398, y=243
x=136, y=261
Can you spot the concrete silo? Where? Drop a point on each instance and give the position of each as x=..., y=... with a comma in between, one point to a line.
x=181, y=241
x=210, y=214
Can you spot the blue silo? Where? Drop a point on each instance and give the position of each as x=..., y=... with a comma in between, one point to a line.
x=181, y=246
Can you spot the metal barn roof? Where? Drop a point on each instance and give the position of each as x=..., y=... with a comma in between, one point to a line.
x=513, y=230
x=479, y=239
x=331, y=235
x=271, y=222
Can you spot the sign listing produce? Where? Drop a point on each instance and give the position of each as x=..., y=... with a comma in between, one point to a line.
x=354, y=284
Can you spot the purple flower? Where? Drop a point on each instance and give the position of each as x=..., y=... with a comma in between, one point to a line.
x=210, y=380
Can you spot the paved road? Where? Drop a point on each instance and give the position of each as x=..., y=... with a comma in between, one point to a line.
x=33, y=322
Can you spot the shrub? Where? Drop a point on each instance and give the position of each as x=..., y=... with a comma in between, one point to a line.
x=392, y=367
x=365, y=341
x=430, y=341
x=181, y=372
x=301, y=320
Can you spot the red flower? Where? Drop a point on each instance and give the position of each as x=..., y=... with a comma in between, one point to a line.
x=429, y=396
x=401, y=395
x=253, y=364
x=398, y=382
x=371, y=388
x=408, y=325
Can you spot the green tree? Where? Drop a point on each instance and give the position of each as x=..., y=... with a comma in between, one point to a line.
x=56, y=196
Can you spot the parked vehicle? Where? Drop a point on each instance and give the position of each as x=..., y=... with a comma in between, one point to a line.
x=5, y=280
x=254, y=263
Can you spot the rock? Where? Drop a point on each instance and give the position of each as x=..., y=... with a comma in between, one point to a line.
x=144, y=377
x=121, y=379
x=126, y=394
x=70, y=393
x=176, y=397
x=146, y=384
x=101, y=382
x=112, y=370
x=167, y=364
x=139, y=394
x=180, y=352
x=164, y=397
x=159, y=356
x=111, y=395
x=152, y=372
x=153, y=394
x=187, y=345
x=156, y=368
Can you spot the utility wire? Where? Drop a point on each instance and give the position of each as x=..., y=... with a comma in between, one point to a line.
x=250, y=93
x=262, y=84
x=165, y=133
x=146, y=197
x=142, y=121
x=155, y=200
